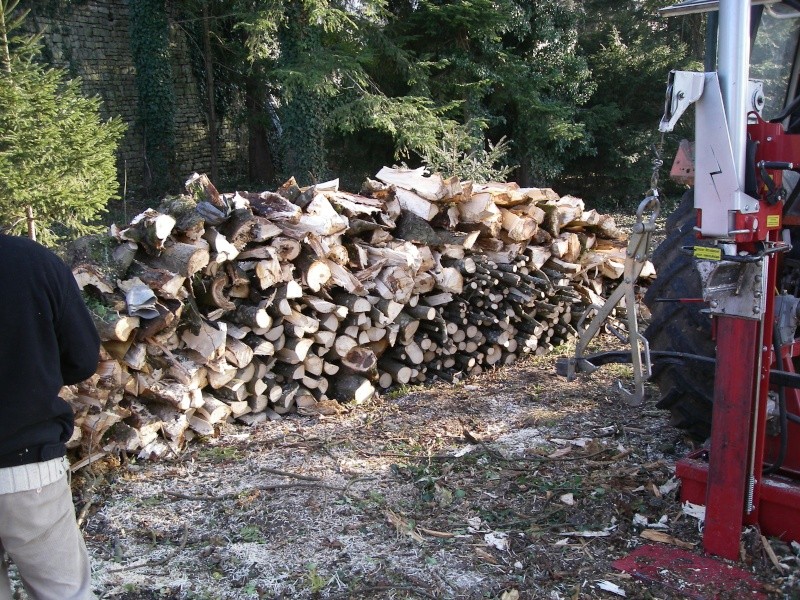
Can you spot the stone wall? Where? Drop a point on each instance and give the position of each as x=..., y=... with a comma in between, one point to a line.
x=90, y=39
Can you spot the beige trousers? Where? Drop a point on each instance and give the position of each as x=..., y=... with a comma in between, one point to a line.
x=39, y=532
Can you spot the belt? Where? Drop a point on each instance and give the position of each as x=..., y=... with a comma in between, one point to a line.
x=33, y=454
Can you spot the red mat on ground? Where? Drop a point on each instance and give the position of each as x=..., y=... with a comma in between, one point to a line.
x=693, y=576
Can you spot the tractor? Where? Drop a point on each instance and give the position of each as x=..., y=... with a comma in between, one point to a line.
x=722, y=342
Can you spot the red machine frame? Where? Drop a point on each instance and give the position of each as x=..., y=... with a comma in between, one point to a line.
x=738, y=165
x=729, y=477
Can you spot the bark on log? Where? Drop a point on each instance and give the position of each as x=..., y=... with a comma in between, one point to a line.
x=115, y=327
x=149, y=230
x=178, y=257
x=349, y=388
x=338, y=294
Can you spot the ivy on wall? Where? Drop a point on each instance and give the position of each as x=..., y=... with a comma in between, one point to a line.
x=216, y=53
x=303, y=114
x=149, y=34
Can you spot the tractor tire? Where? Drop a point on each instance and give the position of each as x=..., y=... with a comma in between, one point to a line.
x=686, y=389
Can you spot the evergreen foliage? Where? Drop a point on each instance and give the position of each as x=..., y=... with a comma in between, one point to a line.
x=576, y=88
x=554, y=93
x=510, y=66
x=57, y=157
x=322, y=63
x=630, y=53
x=457, y=154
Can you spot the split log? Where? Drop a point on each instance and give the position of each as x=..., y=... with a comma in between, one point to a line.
x=360, y=361
x=431, y=188
x=149, y=230
x=295, y=350
x=178, y=257
x=348, y=388
x=315, y=273
x=208, y=342
x=240, y=229
x=115, y=327
x=91, y=275
x=201, y=188
x=273, y=206
x=417, y=205
x=450, y=280
x=213, y=410
x=252, y=316
x=165, y=283
x=222, y=249
x=170, y=393
x=344, y=344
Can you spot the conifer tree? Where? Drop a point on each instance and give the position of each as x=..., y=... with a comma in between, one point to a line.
x=57, y=157
x=323, y=63
x=630, y=50
x=510, y=67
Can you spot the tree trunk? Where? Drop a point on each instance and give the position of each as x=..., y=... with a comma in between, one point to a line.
x=31, y=222
x=261, y=167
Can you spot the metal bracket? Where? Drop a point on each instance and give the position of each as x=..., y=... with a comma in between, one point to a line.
x=635, y=260
x=683, y=89
x=717, y=191
x=734, y=289
x=734, y=285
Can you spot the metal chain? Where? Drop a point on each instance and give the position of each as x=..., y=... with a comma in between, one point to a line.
x=658, y=162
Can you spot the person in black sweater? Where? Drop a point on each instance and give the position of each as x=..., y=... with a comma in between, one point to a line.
x=47, y=340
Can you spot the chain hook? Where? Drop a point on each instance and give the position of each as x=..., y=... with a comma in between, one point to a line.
x=657, y=163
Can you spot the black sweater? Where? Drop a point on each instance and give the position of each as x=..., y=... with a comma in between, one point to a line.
x=47, y=339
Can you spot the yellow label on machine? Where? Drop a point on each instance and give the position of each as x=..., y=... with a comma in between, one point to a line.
x=707, y=253
x=773, y=221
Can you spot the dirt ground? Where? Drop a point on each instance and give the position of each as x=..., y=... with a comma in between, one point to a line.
x=513, y=485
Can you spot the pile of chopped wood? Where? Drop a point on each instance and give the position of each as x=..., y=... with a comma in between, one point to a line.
x=246, y=306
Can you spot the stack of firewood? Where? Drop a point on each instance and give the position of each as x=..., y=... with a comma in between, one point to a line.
x=247, y=306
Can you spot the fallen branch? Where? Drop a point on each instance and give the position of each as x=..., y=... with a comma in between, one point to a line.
x=260, y=488
x=771, y=555
x=289, y=474
x=161, y=561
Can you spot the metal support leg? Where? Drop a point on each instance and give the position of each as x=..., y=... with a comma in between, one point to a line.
x=635, y=260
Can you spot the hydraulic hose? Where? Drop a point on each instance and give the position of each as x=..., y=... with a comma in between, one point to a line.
x=776, y=377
